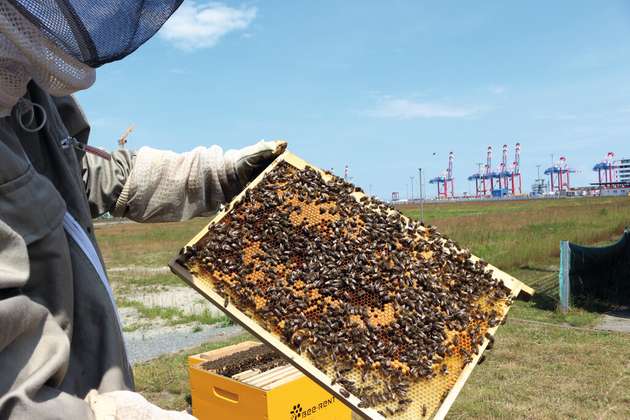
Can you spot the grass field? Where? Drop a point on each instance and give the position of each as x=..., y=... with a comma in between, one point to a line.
x=526, y=234
x=544, y=365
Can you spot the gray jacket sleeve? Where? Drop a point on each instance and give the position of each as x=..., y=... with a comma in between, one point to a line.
x=104, y=179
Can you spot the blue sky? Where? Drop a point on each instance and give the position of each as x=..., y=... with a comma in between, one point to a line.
x=385, y=87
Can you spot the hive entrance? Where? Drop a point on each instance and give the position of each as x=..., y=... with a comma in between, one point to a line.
x=388, y=309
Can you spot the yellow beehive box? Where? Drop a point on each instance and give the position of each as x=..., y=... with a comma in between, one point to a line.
x=284, y=394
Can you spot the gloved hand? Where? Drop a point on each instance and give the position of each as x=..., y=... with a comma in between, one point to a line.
x=127, y=405
x=166, y=186
x=252, y=160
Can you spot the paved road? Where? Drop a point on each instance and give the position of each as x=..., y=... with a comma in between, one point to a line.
x=147, y=345
x=618, y=320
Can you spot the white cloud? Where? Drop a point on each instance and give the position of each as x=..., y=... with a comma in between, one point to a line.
x=196, y=25
x=405, y=109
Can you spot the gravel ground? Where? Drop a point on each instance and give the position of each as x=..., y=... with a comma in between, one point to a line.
x=152, y=337
x=185, y=298
x=618, y=320
x=147, y=345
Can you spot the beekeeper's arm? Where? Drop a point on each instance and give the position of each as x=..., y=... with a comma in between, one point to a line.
x=159, y=186
x=153, y=185
x=167, y=186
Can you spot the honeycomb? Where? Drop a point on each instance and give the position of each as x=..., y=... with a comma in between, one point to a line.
x=389, y=309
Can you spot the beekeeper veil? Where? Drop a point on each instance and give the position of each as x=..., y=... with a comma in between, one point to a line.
x=58, y=43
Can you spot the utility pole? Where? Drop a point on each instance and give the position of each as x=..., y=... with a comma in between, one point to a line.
x=411, y=178
x=421, y=196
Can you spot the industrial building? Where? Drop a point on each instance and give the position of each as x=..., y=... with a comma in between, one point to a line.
x=613, y=176
x=505, y=180
x=624, y=170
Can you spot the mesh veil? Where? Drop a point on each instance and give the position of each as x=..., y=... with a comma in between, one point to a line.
x=26, y=54
x=58, y=43
x=96, y=32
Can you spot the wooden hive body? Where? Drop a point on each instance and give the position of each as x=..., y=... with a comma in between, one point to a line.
x=277, y=394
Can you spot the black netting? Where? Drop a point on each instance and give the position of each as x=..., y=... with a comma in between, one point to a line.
x=96, y=32
x=601, y=274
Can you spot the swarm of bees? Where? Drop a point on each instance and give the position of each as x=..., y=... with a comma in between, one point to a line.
x=261, y=357
x=374, y=300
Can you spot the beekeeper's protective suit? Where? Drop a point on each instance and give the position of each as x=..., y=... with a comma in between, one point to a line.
x=62, y=353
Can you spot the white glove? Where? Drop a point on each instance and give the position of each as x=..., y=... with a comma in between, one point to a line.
x=249, y=161
x=164, y=186
x=127, y=405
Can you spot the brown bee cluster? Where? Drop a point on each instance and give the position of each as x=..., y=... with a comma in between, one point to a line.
x=382, y=304
x=261, y=357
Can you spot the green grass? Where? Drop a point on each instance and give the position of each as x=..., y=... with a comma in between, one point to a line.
x=124, y=284
x=543, y=307
x=514, y=234
x=133, y=327
x=531, y=310
x=538, y=372
x=150, y=280
x=172, y=315
x=145, y=245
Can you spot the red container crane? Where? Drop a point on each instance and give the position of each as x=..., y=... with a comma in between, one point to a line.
x=446, y=179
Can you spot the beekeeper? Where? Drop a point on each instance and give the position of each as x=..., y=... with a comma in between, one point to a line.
x=62, y=353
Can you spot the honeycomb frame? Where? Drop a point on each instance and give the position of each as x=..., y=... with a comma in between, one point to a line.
x=441, y=400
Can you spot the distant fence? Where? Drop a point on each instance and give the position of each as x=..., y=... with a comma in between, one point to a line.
x=595, y=274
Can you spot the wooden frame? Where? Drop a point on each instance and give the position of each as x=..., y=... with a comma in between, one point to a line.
x=205, y=288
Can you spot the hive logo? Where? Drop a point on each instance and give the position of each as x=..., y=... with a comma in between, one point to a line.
x=296, y=413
